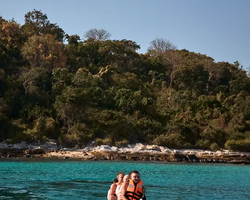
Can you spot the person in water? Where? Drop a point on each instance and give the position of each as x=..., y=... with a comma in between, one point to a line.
x=126, y=178
x=125, y=183
x=118, y=190
x=134, y=189
x=114, y=192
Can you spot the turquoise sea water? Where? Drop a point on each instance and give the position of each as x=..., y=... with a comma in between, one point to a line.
x=73, y=180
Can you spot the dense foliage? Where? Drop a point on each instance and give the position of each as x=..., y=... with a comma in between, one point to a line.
x=57, y=86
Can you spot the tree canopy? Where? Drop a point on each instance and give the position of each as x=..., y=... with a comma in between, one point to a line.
x=55, y=85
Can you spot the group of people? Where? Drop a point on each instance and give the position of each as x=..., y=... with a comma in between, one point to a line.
x=127, y=187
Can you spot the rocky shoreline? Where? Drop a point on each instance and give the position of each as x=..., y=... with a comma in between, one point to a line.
x=137, y=152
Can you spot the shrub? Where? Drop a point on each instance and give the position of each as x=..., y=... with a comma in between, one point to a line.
x=203, y=144
x=78, y=134
x=67, y=140
x=106, y=141
x=173, y=140
x=122, y=143
x=238, y=145
x=214, y=135
x=214, y=147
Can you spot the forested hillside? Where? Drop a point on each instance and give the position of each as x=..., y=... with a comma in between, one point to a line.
x=59, y=86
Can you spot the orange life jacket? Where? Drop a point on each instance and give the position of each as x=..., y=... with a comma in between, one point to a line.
x=134, y=192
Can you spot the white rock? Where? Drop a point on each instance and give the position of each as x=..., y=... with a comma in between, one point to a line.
x=114, y=148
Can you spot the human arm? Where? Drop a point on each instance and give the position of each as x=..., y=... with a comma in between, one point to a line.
x=123, y=192
x=143, y=194
x=111, y=195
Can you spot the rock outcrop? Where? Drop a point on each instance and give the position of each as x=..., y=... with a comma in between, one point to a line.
x=138, y=152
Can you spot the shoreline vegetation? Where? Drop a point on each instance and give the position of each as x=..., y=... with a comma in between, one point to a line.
x=77, y=90
x=136, y=152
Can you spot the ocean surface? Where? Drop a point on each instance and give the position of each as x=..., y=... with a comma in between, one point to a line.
x=72, y=180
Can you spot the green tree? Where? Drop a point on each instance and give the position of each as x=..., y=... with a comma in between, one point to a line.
x=44, y=51
x=11, y=40
x=37, y=23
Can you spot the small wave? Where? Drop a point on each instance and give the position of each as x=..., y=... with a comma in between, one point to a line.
x=19, y=191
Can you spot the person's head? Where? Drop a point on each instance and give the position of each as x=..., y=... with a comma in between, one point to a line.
x=120, y=176
x=126, y=178
x=135, y=176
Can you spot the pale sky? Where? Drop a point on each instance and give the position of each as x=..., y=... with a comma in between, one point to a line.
x=218, y=28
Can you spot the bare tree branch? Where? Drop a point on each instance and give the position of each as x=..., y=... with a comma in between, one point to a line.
x=97, y=34
x=160, y=45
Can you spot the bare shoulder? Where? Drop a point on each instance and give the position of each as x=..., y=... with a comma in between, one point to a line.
x=111, y=192
x=124, y=185
x=113, y=186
